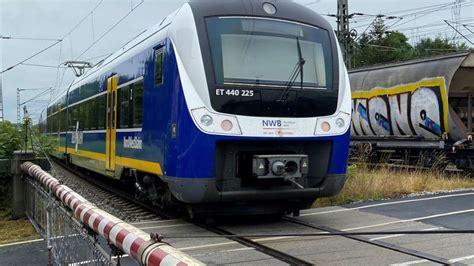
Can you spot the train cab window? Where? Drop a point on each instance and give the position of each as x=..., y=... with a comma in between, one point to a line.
x=159, y=66
x=137, y=104
x=124, y=107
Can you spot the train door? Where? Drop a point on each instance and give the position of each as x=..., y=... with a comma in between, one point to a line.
x=111, y=123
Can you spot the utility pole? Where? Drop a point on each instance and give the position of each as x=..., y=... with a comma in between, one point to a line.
x=1, y=102
x=18, y=111
x=343, y=33
x=19, y=103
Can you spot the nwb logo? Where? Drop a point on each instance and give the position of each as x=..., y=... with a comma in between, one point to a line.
x=271, y=123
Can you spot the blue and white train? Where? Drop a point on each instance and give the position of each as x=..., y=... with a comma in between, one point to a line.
x=224, y=106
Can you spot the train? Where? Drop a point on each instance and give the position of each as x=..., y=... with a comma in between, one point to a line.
x=416, y=112
x=222, y=108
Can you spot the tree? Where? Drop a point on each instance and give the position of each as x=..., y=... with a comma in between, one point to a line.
x=381, y=46
x=428, y=47
x=10, y=139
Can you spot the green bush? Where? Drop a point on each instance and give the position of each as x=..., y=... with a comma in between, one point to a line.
x=10, y=139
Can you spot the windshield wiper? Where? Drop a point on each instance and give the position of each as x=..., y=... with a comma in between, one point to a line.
x=297, y=71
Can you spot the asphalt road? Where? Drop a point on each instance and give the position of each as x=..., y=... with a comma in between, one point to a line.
x=427, y=212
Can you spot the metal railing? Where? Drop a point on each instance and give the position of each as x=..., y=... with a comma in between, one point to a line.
x=78, y=232
x=68, y=241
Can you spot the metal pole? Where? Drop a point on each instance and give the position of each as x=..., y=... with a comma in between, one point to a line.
x=469, y=112
x=48, y=234
x=1, y=101
x=18, y=114
x=343, y=29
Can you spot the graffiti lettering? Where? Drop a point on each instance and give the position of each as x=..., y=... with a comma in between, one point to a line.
x=418, y=109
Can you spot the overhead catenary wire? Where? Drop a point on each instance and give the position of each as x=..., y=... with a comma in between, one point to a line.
x=29, y=57
x=110, y=29
x=405, y=15
x=27, y=38
x=41, y=65
x=460, y=33
x=36, y=96
x=52, y=45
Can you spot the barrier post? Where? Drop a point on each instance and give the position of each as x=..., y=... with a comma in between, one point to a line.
x=19, y=192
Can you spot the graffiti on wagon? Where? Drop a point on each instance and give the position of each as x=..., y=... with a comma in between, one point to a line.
x=415, y=109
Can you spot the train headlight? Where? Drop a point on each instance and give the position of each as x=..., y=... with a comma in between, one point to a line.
x=227, y=125
x=325, y=126
x=333, y=125
x=340, y=122
x=215, y=123
x=206, y=120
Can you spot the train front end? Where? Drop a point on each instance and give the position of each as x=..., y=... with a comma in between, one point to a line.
x=264, y=108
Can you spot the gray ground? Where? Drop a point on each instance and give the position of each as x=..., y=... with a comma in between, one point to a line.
x=428, y=212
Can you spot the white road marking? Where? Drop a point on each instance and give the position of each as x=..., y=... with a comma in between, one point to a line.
x=153, y=222
x=461, y=259
x=208, y=246
x=408, y=220
x=20, y=243
x=387, y=203
x=409, y=262
x=238, y=249
x=423, y=261
x=347, y=229
x=123, y=256
x=232, y=242
x=82, y=262
x=163, y=226
x=392, y=236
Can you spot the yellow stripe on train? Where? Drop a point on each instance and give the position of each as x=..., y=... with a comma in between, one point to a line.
x=145, y=166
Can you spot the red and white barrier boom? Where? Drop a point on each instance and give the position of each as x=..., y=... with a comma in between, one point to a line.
x=132, y=241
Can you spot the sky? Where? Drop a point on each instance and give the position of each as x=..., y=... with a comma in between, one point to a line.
x=87, y=33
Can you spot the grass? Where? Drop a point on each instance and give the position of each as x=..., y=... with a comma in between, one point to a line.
x=15, y=230
x=364, y=183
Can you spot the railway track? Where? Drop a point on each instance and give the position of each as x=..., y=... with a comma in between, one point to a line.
x=139, y=211
x=105, y=196
x=378, y=243
x=147, y=213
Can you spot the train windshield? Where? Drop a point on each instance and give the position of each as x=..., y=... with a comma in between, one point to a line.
x=268, y=52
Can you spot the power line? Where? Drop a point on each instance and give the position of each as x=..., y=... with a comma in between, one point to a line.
x=40, y=65
x=50, y=46
x=429, y=12
x=28, y=58
x=447, y=22
x=27, y=38
x=110, y=29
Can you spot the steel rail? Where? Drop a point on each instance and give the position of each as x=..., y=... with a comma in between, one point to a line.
x=378, y=243
x=279, y=255
x=327, y=233
x=245, y=240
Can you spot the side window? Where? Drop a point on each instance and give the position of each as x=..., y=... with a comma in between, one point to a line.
x=75, y=116
x=63, y=120
x=137, y=103
x=87, y=109
x=159, y=66
x=82, y=116
x=93, y=114
x=101, y=111
x=124, y=107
